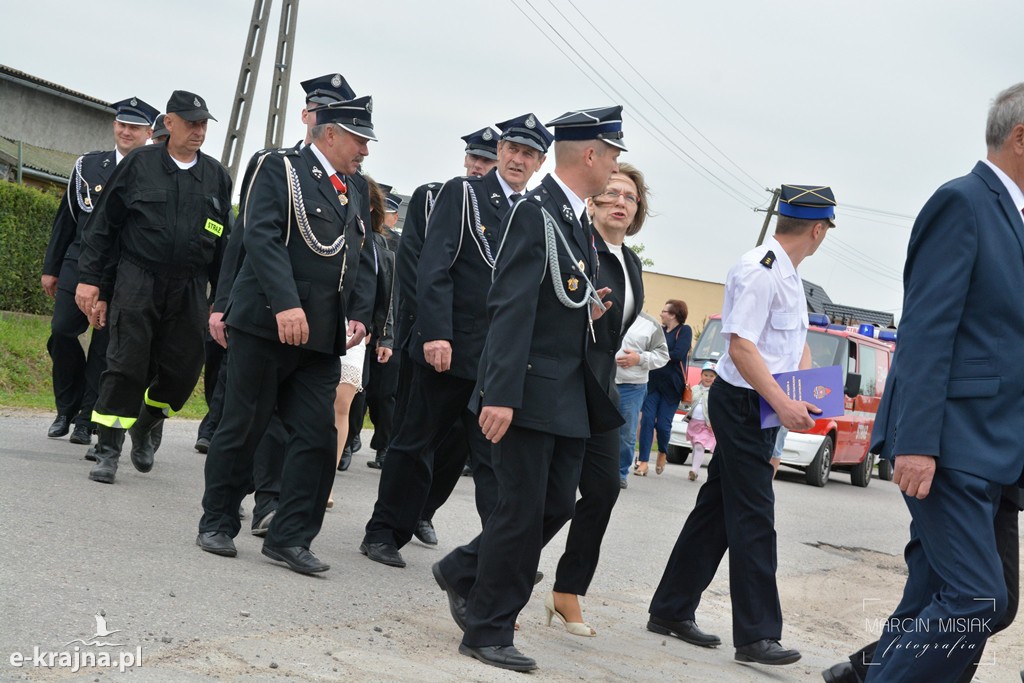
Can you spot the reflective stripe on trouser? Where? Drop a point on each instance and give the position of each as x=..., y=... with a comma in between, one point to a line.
x=155, y=354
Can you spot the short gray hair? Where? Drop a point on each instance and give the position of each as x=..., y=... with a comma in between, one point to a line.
x=1007, y=111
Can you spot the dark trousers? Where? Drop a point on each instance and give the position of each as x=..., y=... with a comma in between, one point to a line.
x=734, y=511
x=435, y=402
x=599, y=489
x=214, y=375
x=450, y=459
x=302, y=384
x=1008, y=546
x=156, y=323
x=537, y=475
x=380, y=397
x=955, y=573
x=268, y=461
x=76, y=375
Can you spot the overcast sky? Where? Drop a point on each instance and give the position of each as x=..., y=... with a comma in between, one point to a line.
x=884, y=101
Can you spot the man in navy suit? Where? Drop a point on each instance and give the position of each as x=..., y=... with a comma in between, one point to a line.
x=956, y=400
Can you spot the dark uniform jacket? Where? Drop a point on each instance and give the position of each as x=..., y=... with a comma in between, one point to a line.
x=163, y=219
x=534, y=357
x=87, y=183
x=234, y=253
x=611, y=328
x=455, y=270
x=384, y=303
x=279, y=270
x=420, y=205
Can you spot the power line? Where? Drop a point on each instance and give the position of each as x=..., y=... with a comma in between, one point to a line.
x=756, y=185
x=657, y=133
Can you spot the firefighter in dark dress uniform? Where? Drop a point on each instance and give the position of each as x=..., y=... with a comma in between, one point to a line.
x=536, y=396
x=165, y=211
x=288, y=318
x=454, y=275
x=76, y=375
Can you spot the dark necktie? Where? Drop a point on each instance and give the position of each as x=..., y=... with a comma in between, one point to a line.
x=515, y=197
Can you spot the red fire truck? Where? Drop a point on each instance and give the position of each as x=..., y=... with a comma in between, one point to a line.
x=837, y=443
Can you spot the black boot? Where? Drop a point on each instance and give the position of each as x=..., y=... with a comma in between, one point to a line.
x=378, y=459
x=108, y=449
x=145, y=438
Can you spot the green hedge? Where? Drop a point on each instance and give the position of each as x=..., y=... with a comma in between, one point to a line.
x=26, y=219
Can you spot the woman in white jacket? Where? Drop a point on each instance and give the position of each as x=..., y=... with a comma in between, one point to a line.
x=644, y=348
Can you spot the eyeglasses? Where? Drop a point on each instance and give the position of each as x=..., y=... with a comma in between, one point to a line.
x=612, y=196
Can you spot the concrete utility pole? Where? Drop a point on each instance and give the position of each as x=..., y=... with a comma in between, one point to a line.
x=247, y=76
x=769, y=212
x=282, y=74
x=242, y=103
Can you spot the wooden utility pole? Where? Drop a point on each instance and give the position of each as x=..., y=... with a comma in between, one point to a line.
x=241, y=105
x=282, y=74
x=769, y=212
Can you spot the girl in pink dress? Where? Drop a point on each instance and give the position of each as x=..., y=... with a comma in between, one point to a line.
x=698, y=428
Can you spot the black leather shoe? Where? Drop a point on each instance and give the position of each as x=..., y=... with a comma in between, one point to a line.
x=456, y=603
x=467, y=471
x=385, y=553
x=297, y=558
x=425, y=532
x=91, y=454
x=355, y=443
x=262, y=526
x=202, y=445
x=60, y=427
x=841, y=673
x=766, y=651
x=216, y=542
x=346, y=459
x=501, y=656
x=81, y=434
x=378, y=461
x=683, y=630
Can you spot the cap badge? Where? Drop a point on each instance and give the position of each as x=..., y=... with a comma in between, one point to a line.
x=317, y=172
x=573, y=284
x=195, y=101
x=134, y=102
x=531, y=122
x=336, y=81
x=567, y=212
x=369, y=106
x=487, y=135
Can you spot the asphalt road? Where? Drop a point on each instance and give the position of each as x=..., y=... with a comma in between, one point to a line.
x=73, y=548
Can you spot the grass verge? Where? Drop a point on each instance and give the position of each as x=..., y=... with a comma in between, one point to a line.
x=25, y=368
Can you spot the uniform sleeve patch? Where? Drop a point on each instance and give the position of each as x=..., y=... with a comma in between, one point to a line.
x=214, y=227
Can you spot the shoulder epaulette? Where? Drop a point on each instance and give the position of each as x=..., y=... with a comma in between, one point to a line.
x=769, y=260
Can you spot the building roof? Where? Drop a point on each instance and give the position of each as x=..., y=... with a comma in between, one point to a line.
x=10, y=74
x=816, y=297
x=851, y=314
x=48, y=161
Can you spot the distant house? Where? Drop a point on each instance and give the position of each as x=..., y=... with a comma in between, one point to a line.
x=819, y=302
x=46, y=126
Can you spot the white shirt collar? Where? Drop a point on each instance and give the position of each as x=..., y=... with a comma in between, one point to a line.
x=117, y=156
x=782, y=260
x=578, y=205
x=322, y=159
x=505, y=187
x=1016, y=195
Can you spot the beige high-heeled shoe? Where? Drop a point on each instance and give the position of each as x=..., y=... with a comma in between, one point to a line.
x=640, y=469
x=662, y=461
x=576, y=628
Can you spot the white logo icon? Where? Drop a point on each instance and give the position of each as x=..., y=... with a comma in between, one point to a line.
x=531, y=122
x=196, y=102
x=336, y=81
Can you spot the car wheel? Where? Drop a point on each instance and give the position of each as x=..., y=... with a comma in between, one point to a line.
x=818, y=470
x=884, y=469
x=677, y=454
x=860, y=475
